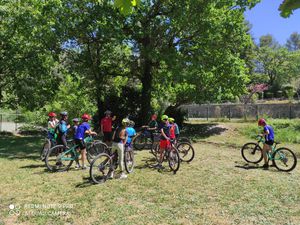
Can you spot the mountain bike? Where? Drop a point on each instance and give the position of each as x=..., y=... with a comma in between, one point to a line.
x=106, y=162
x=171, y=154
x=143, y=139
x=282, y=158
x=60, y=158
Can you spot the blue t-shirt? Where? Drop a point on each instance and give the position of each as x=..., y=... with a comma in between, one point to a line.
x=82, y=128
x=176, y=129
x=130, y=133
x=270, y=136
x=62, y=127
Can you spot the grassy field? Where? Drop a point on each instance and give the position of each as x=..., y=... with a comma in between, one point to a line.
x=217, y=188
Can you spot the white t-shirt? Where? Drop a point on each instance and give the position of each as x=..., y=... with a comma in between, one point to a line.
x=52, y=124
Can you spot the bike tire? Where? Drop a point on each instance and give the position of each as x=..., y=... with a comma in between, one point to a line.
x=186, y=151
x=54, y=164
x=173, y=159
x=184, y=139
x=45, y=149
x=255, y=150
x=100, y=168
x=129, y=160
x=94, y=149
x=139, y=142
x=280, y=156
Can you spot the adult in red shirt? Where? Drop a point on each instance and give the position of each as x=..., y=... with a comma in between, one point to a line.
x=106, y=127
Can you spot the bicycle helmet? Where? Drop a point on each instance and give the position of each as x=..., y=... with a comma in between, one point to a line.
x=107, y=112
x=261, y=122
x=154, y=117
x=63, y=113
x=85, y=116
x=51, y=114
x=164, y=117
x=171, y=120
x=75, y=120
x=125, y=121
x=131, y=123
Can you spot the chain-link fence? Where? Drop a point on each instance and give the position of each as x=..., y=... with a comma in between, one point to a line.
x=242, y=111
x=10, y=122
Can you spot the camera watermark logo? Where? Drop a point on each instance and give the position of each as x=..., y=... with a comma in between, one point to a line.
x=14, y=210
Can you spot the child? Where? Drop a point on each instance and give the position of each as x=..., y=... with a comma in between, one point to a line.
x=164, y=139
x=62, y=128
x=130, y=132
x=269, y=135
x=75, y=126
x=52, y=122
x=119, y=140
x=83, y=128
x=106, y=127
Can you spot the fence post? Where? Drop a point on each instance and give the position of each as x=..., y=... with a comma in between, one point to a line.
x=290, y=111
x=229, y=116
x=257, y=114
x=0, y=122
x=207, y=113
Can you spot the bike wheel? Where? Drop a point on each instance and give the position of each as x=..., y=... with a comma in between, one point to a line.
x=284, y=159
x=186, y=151
x=129, y=160
x=139, y=142
x=59, y=158
x=252, y=153
x=173, y=159
x=100, y=168
x=45, y=149
x=94, y=149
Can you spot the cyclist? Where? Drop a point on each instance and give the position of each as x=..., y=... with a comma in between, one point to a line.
x=75, y=126
x=119, y=140
x=106, y=127
x=152, y=126
x=52, y=122
x=62, y=129
x=83, y=128
x=130, y=132
x=164, y=142
x=173, y=129
x=268, y=134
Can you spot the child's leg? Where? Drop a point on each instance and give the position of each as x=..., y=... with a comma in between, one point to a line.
x=83, y=156
x=121, y=156
x=265, y=149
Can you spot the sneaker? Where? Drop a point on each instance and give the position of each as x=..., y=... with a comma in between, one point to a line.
x=77, y=167
x=265, y=166
x=123, y=176
x=158, y=166
x=110, y=175
x=84, y=167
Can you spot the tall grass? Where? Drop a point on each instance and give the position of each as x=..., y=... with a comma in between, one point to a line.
x=285, y=130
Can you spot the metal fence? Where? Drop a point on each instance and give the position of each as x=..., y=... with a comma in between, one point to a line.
x=10, y=122
x=242, y=111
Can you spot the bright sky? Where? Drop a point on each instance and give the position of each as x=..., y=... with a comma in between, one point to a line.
x=265, y=19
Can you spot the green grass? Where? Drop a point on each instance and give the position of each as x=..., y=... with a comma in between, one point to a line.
x=217, y=188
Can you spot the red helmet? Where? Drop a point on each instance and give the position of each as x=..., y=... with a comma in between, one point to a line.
x=261, y=122
x=85, y=117
x=51, y=114
x=154, y=117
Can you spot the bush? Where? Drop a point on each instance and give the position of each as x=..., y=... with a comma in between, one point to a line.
x=269, y=94
x=32, y=130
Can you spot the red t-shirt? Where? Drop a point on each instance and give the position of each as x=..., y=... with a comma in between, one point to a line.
x=106, y=122
x=172, y=131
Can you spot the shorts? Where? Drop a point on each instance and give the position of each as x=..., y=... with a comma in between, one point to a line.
x=164, y=144
x=269, y=142
x=80, y=144
x=107, y=136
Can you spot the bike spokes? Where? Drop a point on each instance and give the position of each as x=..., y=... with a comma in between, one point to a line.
x=284, y=159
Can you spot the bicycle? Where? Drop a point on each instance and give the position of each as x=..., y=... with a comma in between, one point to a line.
x=252, y=152
x=171, y=154
x=106, y=162
x=185, y=149
x=60, y=158
x=143, y=139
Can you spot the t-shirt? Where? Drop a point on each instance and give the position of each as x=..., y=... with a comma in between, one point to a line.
x=152, y=124
x=82, y=128
x=172, y=129
x=106, y=122
x=270, y=136
x=166, y=130
x=52, y=124
x=62, y=127
x=131, y=133
x=176, y=129
x=75, y=127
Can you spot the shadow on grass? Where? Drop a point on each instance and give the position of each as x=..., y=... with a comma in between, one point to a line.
x=33, y=166
x=196, y=131
x=87, y=182
x=13, y=147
